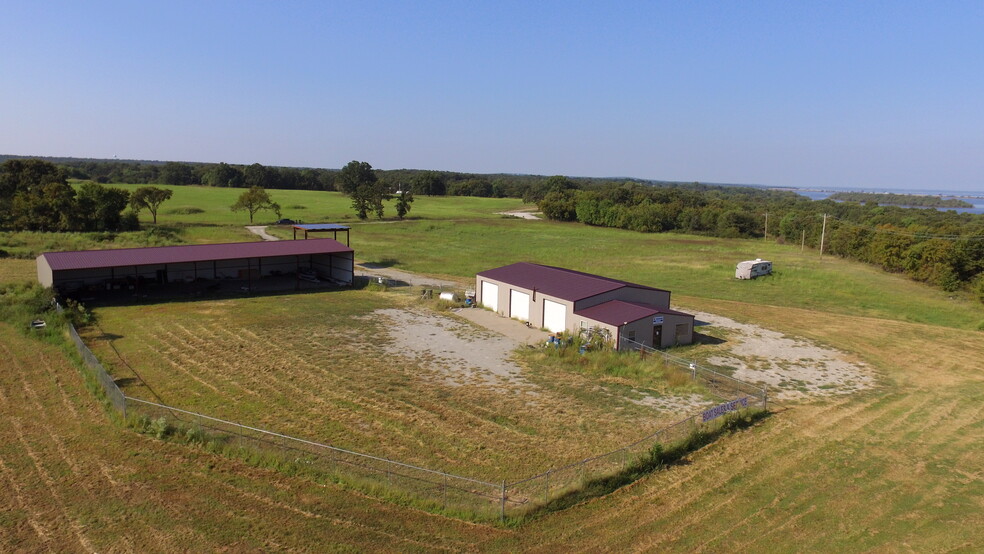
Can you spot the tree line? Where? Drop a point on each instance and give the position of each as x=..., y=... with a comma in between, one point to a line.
x=419, y=182
x=35, y=196
x=942, y=248
x=908, y=200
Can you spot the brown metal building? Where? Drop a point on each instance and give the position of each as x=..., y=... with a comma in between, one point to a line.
x=246, y=262
x=561, y=299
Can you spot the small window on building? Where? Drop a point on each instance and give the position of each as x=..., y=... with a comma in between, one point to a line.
x=681, y=330
x=630, y=335
x=584, y=324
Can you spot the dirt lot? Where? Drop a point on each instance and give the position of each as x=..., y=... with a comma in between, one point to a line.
x=792, y=367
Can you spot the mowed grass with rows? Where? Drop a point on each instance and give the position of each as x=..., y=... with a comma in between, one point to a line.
x=322, y=367
x=897, y=467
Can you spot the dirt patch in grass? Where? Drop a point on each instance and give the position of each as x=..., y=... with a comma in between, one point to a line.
x=461, y=353
x=793, y=368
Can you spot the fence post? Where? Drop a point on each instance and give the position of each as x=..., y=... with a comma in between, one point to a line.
x=502, y=505
x=765, y=398
x=124, y=407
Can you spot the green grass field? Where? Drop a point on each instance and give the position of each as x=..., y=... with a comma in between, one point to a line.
x=896, y=468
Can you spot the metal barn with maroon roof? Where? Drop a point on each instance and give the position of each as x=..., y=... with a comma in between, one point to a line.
x=561, y=299
x=246, y=263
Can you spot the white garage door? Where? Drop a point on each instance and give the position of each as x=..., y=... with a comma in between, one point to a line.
x=519, y=305
x=554, y=316
x=490, y=296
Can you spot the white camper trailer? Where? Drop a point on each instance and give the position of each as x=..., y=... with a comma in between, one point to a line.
x=753, y=268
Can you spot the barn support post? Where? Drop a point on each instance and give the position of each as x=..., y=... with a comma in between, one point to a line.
x=249, y=276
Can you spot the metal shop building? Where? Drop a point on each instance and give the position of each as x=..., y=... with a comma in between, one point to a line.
x=261, y=265
x=560, y=299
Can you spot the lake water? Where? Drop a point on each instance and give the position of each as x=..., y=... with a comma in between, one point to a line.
x=975, y=198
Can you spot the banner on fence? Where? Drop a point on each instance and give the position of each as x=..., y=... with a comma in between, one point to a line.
x=720, y=410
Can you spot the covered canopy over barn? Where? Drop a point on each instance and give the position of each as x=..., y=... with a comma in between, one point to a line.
x=249, y=264
x=332, y=228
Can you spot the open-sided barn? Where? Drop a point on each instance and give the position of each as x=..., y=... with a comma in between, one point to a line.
x=248, y=262
x=560, y=299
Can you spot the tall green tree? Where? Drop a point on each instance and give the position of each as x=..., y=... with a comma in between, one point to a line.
x=150, y=198
x=403, y=200
x=359, y=181
x=20, y=177
x=354, y=175
x=99, y=208
x=254, y=200
x=259, y=176
x=222, y=175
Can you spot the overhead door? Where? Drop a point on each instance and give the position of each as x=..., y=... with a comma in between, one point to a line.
x=490, y=296
x=519, y=305
x=554, y=316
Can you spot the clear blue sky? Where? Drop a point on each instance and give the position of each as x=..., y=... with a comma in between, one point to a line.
x=860, y=94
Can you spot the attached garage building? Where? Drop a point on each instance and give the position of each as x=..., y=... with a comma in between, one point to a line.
x=248, y=263
x=560, y=300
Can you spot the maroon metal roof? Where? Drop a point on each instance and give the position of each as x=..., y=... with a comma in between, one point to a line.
x=619, y=312
x=558, y=282
x=122, y=257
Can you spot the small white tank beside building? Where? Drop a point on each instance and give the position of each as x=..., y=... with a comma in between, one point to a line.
x=753, y=268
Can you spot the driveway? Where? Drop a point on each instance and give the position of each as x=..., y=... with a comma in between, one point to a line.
x=260, y=230
x=511, y=328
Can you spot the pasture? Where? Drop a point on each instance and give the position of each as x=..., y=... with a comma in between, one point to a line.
x=895, y=467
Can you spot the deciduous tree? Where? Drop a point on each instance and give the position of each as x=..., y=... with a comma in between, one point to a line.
x=254, y=200
x=150, y=198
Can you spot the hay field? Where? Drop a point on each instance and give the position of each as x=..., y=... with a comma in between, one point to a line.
x=328, y=367
x=895, y=468
x=73, y=481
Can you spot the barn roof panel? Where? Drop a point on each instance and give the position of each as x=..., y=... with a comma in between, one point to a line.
x=558, y=282
x=90, y=259
x=619, y=312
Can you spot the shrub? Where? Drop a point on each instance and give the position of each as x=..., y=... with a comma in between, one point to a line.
x=186, y=210
x=77, y=313
x=194, y=434
x=160, y=428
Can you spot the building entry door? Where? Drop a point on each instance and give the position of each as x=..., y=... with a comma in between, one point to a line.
x=657, y=336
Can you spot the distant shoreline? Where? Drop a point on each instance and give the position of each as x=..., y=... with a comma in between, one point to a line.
x=940, y=194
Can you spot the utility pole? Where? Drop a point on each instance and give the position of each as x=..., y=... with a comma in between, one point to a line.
x=766, y=225
x=803, y=241
x=823, y=232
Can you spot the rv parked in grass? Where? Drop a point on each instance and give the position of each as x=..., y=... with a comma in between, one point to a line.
x=753, y=268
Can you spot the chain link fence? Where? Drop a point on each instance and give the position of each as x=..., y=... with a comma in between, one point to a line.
x=452, y=493
x=717, y=383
